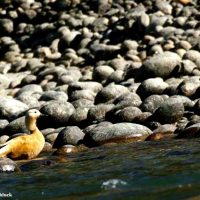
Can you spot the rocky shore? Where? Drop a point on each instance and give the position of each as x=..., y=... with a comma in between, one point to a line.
x=101, y=71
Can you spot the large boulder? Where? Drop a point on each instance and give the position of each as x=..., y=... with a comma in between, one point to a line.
x=120, y=132
x=11, y=108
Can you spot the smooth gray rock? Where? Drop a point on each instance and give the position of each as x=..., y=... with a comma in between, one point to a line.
x=16, y=126
x=110, y=92
x=151, y=103
x=11, y=108
x=151, y=86
x=169, y=111
x=8, y=165
x=58, y=112
x=120, y=132
x=54, y=95
x=69, y=135
x=98, y=112
x=161, y=65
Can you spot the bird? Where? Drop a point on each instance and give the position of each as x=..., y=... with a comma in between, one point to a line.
x=27, y=146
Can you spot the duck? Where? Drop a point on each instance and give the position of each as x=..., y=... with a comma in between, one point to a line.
x=27, y=146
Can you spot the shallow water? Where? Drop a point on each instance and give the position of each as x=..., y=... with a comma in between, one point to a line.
x=144, y=170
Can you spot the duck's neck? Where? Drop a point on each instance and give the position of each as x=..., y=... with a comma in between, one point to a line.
x=31, y=124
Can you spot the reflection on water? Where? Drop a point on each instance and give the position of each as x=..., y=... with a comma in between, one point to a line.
x=145, y=170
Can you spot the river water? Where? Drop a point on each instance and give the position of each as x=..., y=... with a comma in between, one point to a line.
x=143, y=170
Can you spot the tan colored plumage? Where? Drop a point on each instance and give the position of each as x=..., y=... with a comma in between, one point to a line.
x=26, y=146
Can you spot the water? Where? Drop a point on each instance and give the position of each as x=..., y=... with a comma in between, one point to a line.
x=144, y=170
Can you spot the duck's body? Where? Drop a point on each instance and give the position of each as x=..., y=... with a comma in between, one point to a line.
x=25, y=146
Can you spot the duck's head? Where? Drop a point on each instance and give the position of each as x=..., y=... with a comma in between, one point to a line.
x=33, y=113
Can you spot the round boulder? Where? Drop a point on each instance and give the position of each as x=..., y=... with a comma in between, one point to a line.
x=69, y=135
x=170, y=111
x=58, y=112
x=161, y=65
x=8, y=165
x=120, y=132
x=11, y=108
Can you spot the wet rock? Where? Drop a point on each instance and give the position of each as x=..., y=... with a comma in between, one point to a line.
x=66, y=149
x=58, y=112
x=69, y=135
x=37, y=164
x=47, y=147
x=8, y=165
x=170, y=111
x=161, y=65
x=120, y=132
x=151, y=86
x=190, y=132
x=110, y=92
x=11, y=108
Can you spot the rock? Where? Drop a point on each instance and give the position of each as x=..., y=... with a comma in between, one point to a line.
x=129, y=99
x=51, y=137
x=69, y=135
x=151, y=103
x=37, y=164
x=16, y=126
x=66, y=149
x=6, y=26
x=98, y=112
x=90, y=85
x=54, y=95
x=189, y=86
x=169, y=111
x=3, y=124
x=127, y=114
x=190, y=132
x=82, y=94
x=120, y=132
x=47, y=147
x=102, y=72
x=3, y=139
x=110, y=92
x=11, y=108
x=8, y=165
x=197, y=107
x=82, y=103
x=151, y=86
x=161, y=65
x=79, y=117
x=29, y=98
x=58, y=112
x=30, y=88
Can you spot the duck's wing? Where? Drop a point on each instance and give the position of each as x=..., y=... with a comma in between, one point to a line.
x=7, y=147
